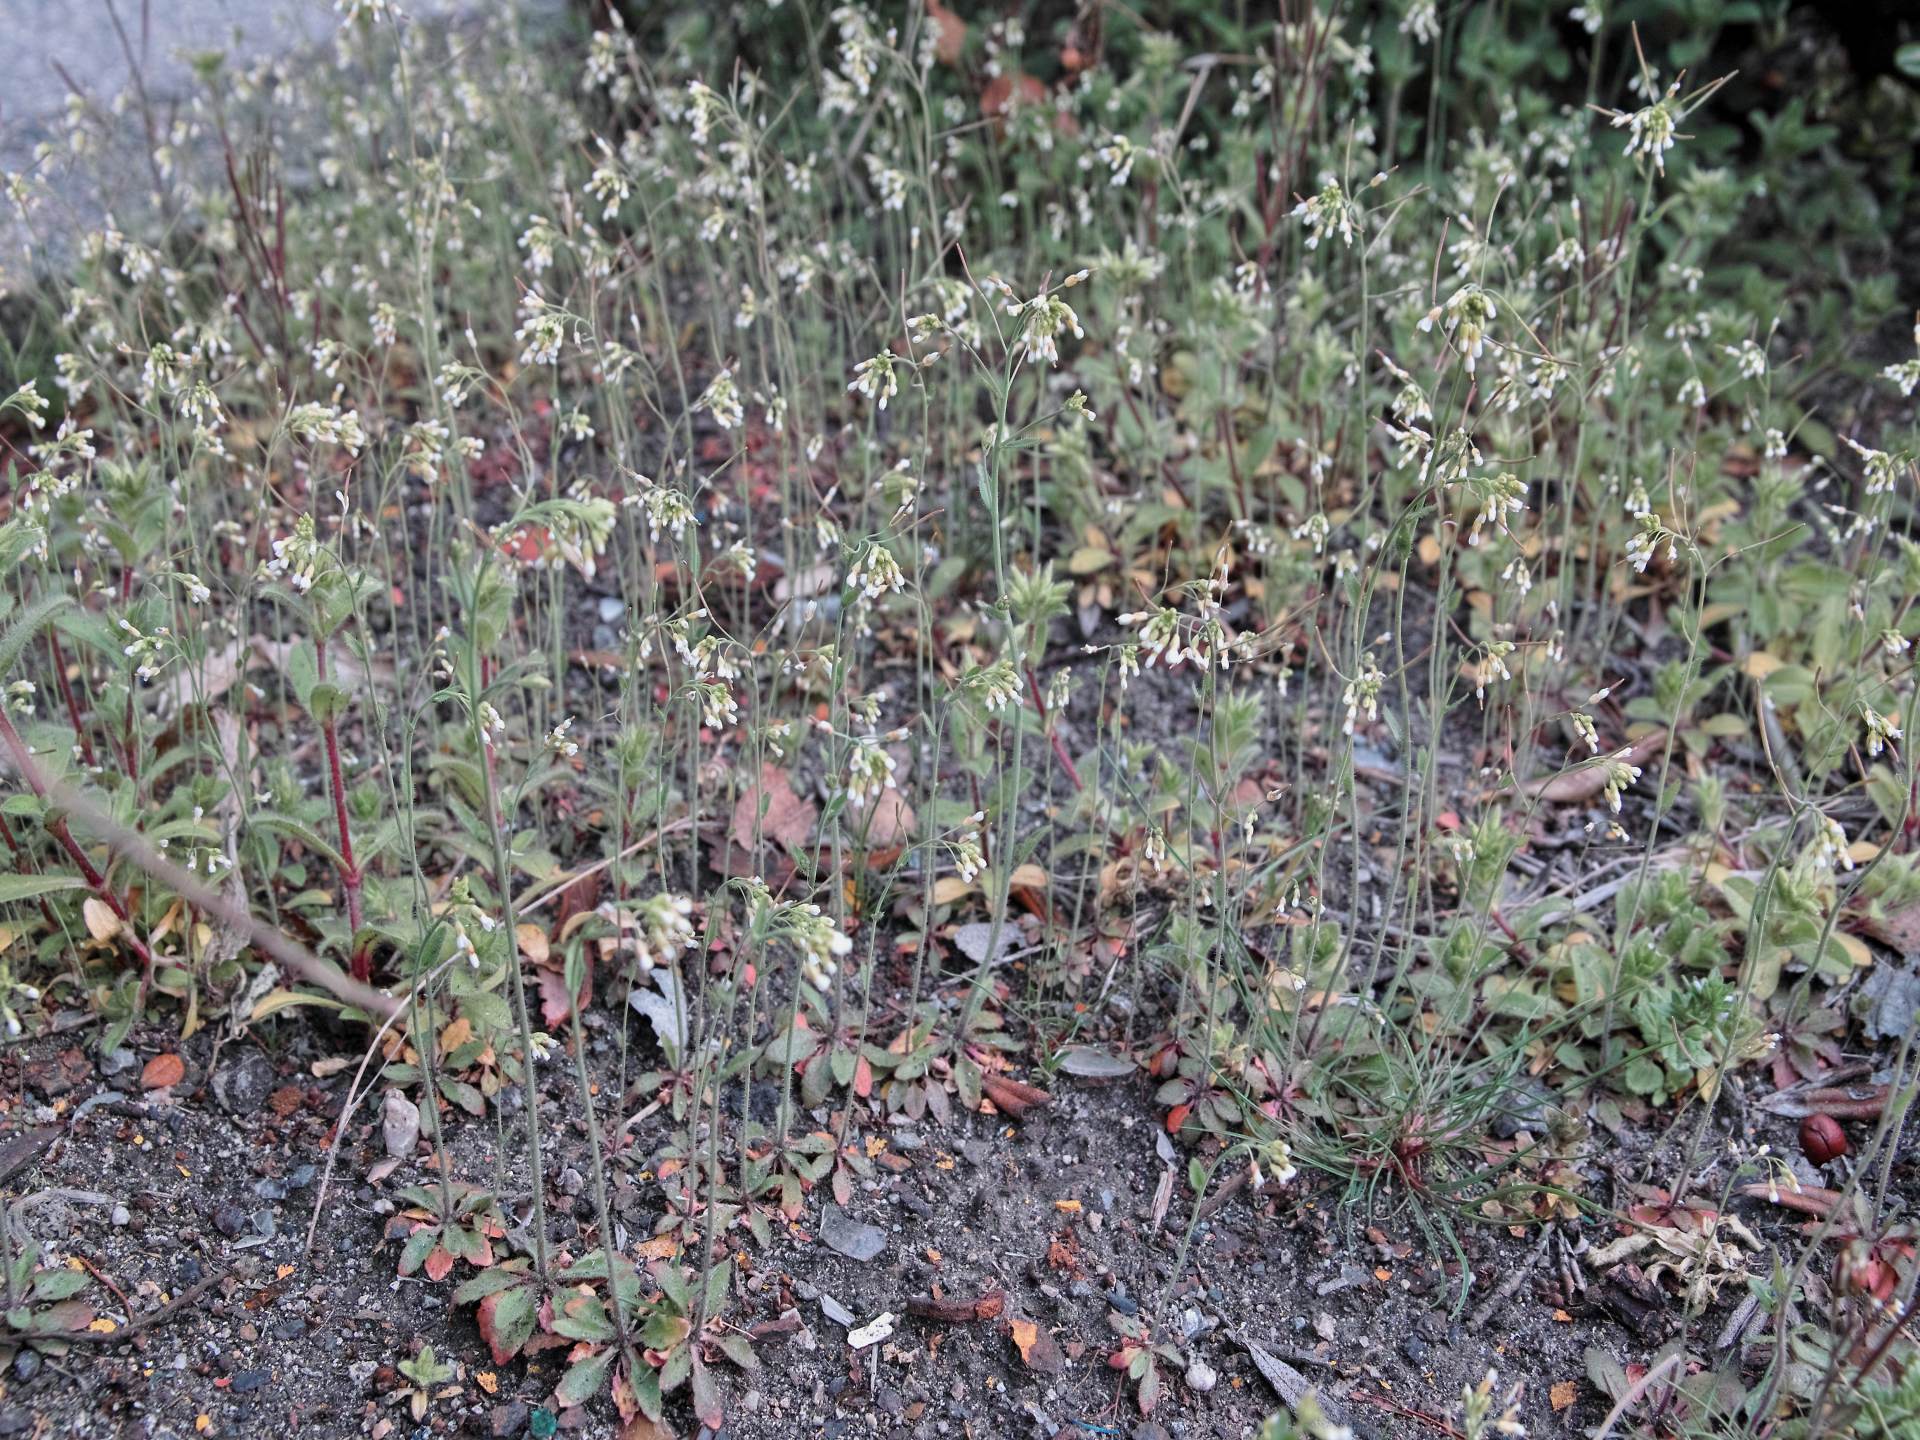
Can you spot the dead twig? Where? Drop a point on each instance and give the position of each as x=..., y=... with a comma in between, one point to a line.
x=152, y=1320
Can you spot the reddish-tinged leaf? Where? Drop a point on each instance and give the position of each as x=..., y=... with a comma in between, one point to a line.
x=439, y=1263
x=862, y=1078
x=1177, y=1116
x=506, y=1320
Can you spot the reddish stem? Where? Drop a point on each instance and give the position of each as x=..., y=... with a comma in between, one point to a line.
x=73, y=706
x=362, y=963
x=1053, y=736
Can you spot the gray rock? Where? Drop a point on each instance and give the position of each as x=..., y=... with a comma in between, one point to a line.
x=243, y=1081
x=835, y=1311
x=399, y=1125
x=852, y=1238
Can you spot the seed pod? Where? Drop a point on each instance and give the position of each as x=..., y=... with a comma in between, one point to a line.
x=1822, y=1139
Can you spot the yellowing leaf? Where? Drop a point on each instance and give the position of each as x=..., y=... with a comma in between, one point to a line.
x=1031, y=876
x=1562, y=1395
x=949, y=888
x=487, y=1381
x=274, y=1001
x=1856, y=949
x=1760, y=664
x=103, y=1326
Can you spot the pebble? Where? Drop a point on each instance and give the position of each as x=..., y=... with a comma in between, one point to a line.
x=243, y=1081
x=121, y=1216
x=248, y=1380
x=1201, y=1377
x=26, y=1364
x=611, y=609
x=1415, y=1349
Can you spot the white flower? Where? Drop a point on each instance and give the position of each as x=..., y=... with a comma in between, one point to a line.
x=1651, y=129
x=721, y=399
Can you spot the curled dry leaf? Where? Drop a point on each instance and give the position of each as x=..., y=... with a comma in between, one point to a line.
x=1012, y=1097
x=948, y=1311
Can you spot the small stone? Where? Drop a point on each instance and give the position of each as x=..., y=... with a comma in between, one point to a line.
x=509, y=1419
x=835, y=1311
x=1123, y=1302
x=229, y=1219
x=1415, y=1349
x=243, y=1081
x=120, y=1215
x=873, y=1332
x=26, y=1364
x=15, y=1421
x=399, y=1125
x=118, y=1062
x=247, y=1381
x=611, y=609
x=852, y=1238
x=1150, y=1430
x=1201, y=1377
x=572, y=1182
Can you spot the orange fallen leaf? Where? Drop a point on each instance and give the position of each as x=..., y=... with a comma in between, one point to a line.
x=1067, y=1207
x=487, y=1381
x=1026, y=1334
x=1561, y=1396
x=162, y=1071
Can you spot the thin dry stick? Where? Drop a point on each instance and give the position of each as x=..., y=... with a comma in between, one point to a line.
x=645, y=841
x=355, y=1095
x=296, y=958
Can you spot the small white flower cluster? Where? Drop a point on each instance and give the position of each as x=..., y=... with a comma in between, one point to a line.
x=1880, y=730
x=1465, y=316
x=1620, y=777
x=875, y=378
x=316, y=424
x=1362, y=695
x=996, y=686
x=1831, y=849
x=1330, y=212
x=295, y=558
x=969, y=856
x=1652, y=129
x=1043, y=319
x=875, y=572
x=559, y=743
x=1880, y=469
x=663, y=927
x=148, y=652
x=870, y=770
x=721, y=399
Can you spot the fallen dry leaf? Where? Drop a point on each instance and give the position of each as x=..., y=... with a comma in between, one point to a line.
x=1572, y=787
x=788, y=819
x=1012, y=1098
x=102, y=923
x=1562, y=1395
x=162, y=1071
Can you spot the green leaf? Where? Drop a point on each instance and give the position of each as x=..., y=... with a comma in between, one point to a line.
x=13, y=640
x=581, y=1383
x=32, y=887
